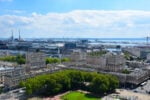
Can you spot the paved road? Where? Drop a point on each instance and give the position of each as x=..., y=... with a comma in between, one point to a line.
x=143, y=89
x=13, y=95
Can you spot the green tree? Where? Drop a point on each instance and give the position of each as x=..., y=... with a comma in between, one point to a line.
x=28, y=89
x=52, y=60
x=114, y=82
x=64, y=80
x=52, y=87
x=125, y=71
x=77, y=79
x=22, y=84
x=99, y=85
x=65, y=60
x=51, y=84
x=20, y=59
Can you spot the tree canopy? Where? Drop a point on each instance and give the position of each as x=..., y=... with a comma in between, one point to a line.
x=19, y=59
x=56, y=60
x=51, y=84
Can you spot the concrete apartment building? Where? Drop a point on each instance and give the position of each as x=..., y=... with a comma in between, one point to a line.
x=11, y=74
x=141, y=52
x=77, y=56
x=107, y=62
x=4, y=53
x=96, y=61
x=148, y=57
x=5, y=68
x=2, y=73
x=134, y=78
x=133, y=51
x=35, y=60
x=137, y=76
x=115, y=63
x=13, y=78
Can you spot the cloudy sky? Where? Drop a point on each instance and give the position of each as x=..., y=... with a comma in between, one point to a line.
x=75, y=18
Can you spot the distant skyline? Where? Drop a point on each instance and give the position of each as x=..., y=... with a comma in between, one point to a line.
x=75, y=18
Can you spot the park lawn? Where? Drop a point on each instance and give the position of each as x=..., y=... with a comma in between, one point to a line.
x=75, y=95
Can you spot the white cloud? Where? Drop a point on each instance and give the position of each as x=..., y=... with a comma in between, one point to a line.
x=79, y=23
x=14, y=11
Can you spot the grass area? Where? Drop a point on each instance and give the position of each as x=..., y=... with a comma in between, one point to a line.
x=75, y=95
x=35, y=98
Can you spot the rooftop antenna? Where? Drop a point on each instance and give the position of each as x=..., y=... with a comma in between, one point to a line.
x=147, y=39
x=19, y=35
x=12, y=36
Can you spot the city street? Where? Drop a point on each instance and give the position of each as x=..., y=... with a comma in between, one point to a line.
x=13, y=95
x=145, y=88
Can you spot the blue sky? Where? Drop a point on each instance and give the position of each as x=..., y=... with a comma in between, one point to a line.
x=75, y=18
x=46, y=6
